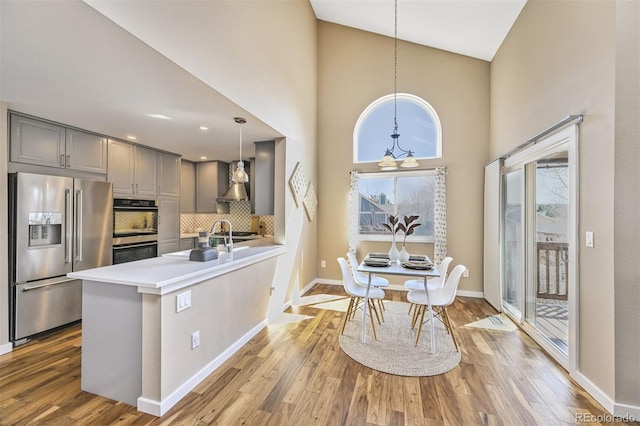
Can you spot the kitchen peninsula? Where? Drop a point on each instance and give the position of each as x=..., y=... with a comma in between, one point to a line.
x=155, y=328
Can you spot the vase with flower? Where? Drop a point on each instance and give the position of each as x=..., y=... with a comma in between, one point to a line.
x=393, y=227
x=407, y=228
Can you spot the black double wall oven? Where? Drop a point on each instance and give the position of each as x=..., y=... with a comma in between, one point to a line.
x=135, y=230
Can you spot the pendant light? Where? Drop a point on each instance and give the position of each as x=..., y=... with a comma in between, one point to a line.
x=240, y=175
x=237, y=190
x=389, y=160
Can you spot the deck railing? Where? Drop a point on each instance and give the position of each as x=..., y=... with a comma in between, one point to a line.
x=552, y=270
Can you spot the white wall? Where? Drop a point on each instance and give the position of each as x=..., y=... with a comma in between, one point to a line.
x=559, y=60
x=5, y=346
x=456, y=86
x=627, y=206
x=262, y=55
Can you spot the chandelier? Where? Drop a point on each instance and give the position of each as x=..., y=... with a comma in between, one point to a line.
x=389, y=160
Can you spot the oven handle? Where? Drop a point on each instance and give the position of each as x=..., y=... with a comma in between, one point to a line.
x=147, y=208
x=155, y=243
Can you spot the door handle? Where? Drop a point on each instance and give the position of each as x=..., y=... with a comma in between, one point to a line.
x=67, y=226
x=68, y=161
x=62, y=160
x=78, y=214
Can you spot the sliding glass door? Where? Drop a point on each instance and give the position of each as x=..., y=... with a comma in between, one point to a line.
x=513, y=242
x=547, y=296
x=539, y=234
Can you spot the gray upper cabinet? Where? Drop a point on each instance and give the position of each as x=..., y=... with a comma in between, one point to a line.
x=86, y=151
x=212, y=181
x=263, y=188
x=187, y=187
x=146, y=166
x=168, y=175
x=121, y=169
x=47, y=144
x=132, y=169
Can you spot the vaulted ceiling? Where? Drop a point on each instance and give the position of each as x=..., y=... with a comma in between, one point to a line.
x=67, y=62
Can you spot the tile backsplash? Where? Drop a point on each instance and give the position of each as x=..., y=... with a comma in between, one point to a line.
x=239, y=215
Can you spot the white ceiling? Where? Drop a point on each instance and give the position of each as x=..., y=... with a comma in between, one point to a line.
x=67, y=62
x=473, y=28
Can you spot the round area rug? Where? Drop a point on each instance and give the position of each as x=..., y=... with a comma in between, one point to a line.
x=394, y=351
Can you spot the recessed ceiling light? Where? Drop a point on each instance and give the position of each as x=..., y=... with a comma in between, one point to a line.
x=203, y=158
x=133, y=138
x=160, y=116
x=203, y=128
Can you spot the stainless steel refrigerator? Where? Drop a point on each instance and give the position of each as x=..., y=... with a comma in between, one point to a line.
x=56, y=225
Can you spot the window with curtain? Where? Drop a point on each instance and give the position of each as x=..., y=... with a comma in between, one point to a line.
x=395, y=193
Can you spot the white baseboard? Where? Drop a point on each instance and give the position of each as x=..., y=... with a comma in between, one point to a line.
x=466, y=293
x=619, y=412
x=326, y=281
x=594, y=391
x=627, y=413
x=6, y=348
x=158, y=408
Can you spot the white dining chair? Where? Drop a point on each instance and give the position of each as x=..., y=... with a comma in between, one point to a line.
x=363, y=279
x=440, y=298
x=433, y=283
x=356, y=293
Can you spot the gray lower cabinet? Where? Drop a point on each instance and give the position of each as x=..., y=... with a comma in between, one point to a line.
x=212, y=181
x=187, y=243
x=168, y=225
x=187, y=187
x=132, y=170
x=48, y=144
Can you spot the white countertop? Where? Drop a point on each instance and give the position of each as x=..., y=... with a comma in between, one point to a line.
x=236, y=238
x=160, y=275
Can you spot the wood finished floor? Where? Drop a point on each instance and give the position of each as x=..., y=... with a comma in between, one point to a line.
x=296, y=374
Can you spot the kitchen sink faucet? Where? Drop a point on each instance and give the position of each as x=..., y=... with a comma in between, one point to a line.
x=228, y=246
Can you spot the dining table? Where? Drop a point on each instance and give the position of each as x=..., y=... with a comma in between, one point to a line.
x=396, y=268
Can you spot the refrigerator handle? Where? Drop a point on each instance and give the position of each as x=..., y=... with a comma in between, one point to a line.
x=78, y=215
x=67, y=226
x=47, y=284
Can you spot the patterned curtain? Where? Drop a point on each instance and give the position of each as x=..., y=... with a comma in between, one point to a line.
x=354, y=209
x=440, y=216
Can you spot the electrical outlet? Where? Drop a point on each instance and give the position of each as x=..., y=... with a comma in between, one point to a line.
x=183, y=301
x=195, y=339
x=466, y=273
x=323, y=263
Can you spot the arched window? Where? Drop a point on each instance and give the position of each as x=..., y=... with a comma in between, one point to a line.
x=418, y=126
